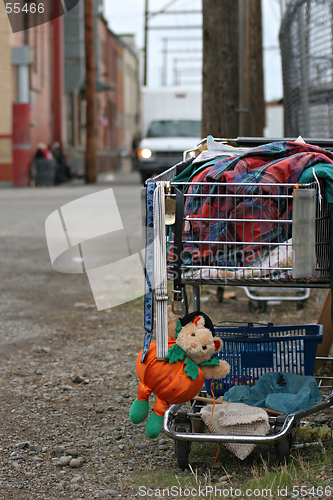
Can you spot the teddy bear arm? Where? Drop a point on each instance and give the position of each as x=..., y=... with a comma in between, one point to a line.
x=216, y=372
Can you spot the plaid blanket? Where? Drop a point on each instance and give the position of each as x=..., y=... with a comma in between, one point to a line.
x=231, y=225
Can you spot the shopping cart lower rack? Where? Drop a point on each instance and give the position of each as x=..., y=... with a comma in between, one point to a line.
x=252, y=351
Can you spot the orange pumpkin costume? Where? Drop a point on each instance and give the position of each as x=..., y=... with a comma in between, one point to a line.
x=178, y=378
x=169, y=382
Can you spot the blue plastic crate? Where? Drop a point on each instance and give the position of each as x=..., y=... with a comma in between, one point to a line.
x=252, y=351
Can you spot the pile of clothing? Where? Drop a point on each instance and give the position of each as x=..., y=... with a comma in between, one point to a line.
x=212, y=210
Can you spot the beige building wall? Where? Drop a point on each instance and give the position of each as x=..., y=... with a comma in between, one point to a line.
x=6, y=97
x=131, y=91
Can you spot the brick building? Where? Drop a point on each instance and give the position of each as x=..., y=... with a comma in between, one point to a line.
x=31, y=95
x=6, y=99
x=112, y=56
x=42, y=93
x=46, y=63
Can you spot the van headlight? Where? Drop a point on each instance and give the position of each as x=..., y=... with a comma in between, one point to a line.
x=145, y=153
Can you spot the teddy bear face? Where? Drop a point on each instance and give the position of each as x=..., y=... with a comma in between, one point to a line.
x=197, y=341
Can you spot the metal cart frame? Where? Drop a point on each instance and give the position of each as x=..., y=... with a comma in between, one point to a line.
x=177, y=423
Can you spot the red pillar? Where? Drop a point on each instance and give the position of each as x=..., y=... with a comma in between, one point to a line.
x=57, y=78
x=21, y=144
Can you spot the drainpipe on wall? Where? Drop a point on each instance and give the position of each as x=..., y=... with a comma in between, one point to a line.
x=21, y=117
x=57, y=79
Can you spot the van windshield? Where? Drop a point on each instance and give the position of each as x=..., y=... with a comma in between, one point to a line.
x=175, y=128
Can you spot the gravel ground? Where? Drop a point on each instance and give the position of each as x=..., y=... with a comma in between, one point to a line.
x=67, y=376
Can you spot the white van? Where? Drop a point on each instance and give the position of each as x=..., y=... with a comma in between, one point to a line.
x=171, y=124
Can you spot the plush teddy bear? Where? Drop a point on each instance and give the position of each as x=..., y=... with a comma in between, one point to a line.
x=179, y=377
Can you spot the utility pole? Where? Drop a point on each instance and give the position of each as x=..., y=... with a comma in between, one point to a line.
x=146, y=44
x=241, y=56
x=232, y=79
x=251, y=104
x=90, y=155
x=220, y=68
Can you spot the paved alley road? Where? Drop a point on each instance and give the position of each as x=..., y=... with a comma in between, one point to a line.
x=24, y=257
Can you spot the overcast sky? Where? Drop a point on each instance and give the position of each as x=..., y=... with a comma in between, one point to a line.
x=183, y=45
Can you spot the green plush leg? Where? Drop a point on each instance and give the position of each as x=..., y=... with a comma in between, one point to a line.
x=139, y=411
x=154, y=425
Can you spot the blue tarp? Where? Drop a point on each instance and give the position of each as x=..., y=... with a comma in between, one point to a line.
x=284, y=392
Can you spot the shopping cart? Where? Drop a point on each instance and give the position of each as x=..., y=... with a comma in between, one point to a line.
x=237, y=259
x=259, y=298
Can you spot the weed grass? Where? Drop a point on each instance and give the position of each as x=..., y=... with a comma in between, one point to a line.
x=308, y=474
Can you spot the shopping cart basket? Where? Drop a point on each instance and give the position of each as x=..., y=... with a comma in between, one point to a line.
x=251, y=351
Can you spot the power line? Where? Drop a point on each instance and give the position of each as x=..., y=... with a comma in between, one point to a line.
x=175, y=12
x=151, y=15
x=175, y=27
x=183, y=39
x=162, y=11
x=180, y=50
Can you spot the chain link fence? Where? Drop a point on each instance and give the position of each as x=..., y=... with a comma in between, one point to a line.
x=307, y=60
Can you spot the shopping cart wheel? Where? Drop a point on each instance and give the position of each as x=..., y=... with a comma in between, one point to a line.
x=283, y=447
x=257, y=306
x=301, y=303
x=182, y=451
x=182, y=448
x=282, y=450
x=220, y=293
